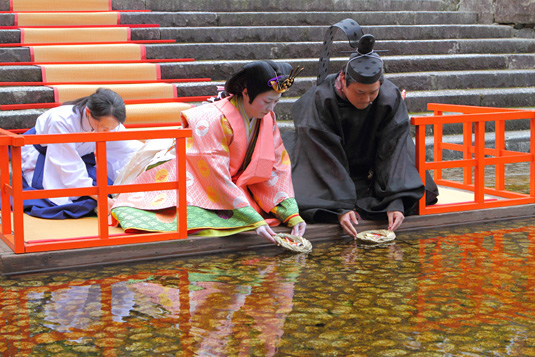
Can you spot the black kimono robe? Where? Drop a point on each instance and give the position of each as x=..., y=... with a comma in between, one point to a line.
x=346, y=158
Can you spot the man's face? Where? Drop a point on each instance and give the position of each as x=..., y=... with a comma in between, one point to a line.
x=360, y=95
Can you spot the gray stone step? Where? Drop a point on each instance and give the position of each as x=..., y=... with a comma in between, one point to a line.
x=19, y=119
x=417, y=100
x=416, y=103
x=324, y=18
x=202, y=19
x=221, y=70
x=415, y=81
x=280, y=5
x=518, y=136
x=487, y=97
x=259, y=5
x=438, y=81
x=280, y=50
x=300, y=33
x=317, y=33
x=412, y=82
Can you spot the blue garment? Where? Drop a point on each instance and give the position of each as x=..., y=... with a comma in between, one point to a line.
x=45, y=208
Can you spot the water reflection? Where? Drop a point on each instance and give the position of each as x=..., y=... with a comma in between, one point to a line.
x=466, y=291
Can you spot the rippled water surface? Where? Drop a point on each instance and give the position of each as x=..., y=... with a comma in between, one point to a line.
x=457, y=292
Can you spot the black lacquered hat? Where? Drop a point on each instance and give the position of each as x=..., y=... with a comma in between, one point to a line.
x=365, y=66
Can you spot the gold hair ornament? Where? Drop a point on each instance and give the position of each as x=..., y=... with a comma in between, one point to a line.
x=281, y=86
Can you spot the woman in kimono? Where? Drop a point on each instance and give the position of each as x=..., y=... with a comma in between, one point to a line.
x=69, y=165
x=238, y=171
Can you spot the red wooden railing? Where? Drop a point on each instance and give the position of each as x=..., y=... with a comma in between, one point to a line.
x=475, y=156
x=12, y=224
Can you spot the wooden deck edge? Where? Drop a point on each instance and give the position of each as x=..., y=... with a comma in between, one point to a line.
x=14, y=264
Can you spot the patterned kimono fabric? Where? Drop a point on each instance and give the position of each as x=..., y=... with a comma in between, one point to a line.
x=238, y=177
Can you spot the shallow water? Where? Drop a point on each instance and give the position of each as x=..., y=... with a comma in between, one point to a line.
x=466, y=291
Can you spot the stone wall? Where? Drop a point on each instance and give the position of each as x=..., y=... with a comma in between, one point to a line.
x=520, y=13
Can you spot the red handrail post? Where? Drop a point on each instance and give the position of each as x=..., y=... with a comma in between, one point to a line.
x=5, y=203
x=437, y=151
x=181, y=188
x=420, y=161
x=499, y=145
x=479, y=172
x=102, y=185
x=532, y=151
x=467, y=152
x=18, y=209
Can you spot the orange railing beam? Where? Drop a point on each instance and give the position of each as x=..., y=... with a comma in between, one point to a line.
x=471, y=118
x=456, y=108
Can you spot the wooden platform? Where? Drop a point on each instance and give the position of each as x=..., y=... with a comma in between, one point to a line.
x=12, y=264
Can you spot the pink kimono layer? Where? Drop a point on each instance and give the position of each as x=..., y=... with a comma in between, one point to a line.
x=215, y=180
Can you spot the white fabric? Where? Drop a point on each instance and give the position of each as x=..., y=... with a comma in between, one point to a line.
x=64, y=167
x=153, y=151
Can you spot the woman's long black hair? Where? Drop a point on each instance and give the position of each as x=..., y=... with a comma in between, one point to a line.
x=104, y=102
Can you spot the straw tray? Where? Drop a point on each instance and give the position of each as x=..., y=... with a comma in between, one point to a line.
x=376, y=236
x=293, y=243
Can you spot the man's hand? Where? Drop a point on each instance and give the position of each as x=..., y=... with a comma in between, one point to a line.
x=266, y=232
x=299, y=229
x=348, y=221
x=395, y=218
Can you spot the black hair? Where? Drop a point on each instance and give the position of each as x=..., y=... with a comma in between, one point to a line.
x=104, y=102
x=255, y=76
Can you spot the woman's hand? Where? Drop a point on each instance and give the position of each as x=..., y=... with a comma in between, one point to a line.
x=348, y=221
x=266, y=232
x=299, y=229
x=111, y=201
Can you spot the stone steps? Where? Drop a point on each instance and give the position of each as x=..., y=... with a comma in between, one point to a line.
x=313, y=33
x=207, y=19
x=281, y=50
x=285, y=50
x=415, y=100
x=436, y=55
x=278, y=5
x=412, y=82
x=299, y=33
x=201, y=19
x=220, y=70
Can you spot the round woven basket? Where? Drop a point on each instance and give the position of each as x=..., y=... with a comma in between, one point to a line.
x=376, y=236
x=293, y=243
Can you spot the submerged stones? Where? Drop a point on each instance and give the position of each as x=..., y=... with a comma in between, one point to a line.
x=442, y=293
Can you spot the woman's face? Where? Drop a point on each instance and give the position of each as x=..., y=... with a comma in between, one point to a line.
x=261, y=105
x=104, y=124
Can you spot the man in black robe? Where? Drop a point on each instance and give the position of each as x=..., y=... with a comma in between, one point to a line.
x=353, y=152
